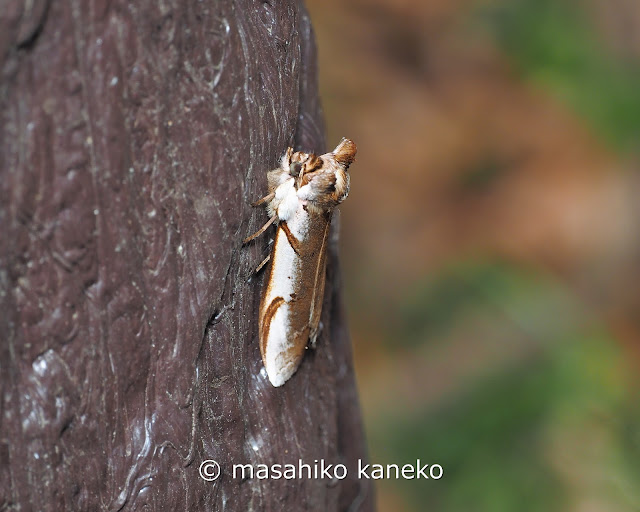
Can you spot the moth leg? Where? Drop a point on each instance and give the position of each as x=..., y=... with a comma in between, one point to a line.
x=265, y=199
x=262, y=264
x=313, y=336
x=255, y=271
x=261, y=230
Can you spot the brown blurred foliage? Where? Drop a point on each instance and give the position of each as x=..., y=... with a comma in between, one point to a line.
x=458, y=155
x=461, y=158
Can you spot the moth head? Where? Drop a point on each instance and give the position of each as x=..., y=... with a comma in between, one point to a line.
x=301, y=163
x=295, y=168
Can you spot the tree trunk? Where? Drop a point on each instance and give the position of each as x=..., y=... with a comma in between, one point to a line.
x=134, y=135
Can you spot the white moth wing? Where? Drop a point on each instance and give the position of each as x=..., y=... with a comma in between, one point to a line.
x=282, y=351
x=303, y=192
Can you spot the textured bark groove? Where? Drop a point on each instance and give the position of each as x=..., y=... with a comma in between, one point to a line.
x=134, y=135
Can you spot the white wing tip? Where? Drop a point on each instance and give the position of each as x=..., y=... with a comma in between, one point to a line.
x=277, y=380
x=278, y=375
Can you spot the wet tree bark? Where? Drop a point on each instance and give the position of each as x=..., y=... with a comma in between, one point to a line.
x=133, y=137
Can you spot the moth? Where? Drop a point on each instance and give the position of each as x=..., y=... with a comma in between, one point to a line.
x=303, y=193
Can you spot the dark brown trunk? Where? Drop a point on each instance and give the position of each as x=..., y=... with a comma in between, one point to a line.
x=133, y=137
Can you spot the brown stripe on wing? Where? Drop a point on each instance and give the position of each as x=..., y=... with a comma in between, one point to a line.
x=266, y=322
x=293, y=241
x=319, y=276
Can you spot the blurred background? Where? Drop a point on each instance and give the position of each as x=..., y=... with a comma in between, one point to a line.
x=489, y=244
